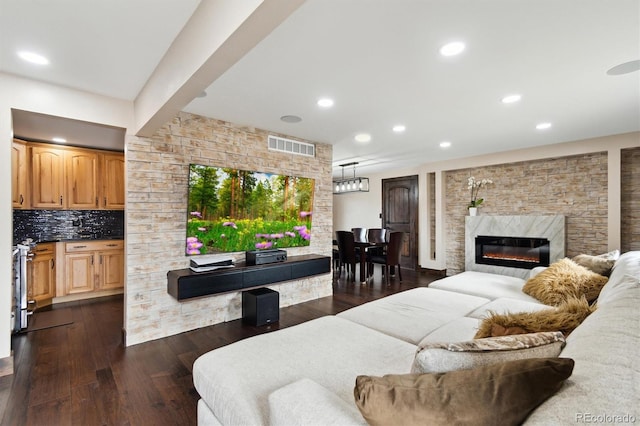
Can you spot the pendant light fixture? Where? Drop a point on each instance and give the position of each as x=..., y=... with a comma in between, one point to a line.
x=354, y=184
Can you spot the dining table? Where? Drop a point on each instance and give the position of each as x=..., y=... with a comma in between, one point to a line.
x=364, y=247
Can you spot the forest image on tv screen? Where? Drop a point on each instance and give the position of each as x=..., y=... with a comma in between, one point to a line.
x=234, y=210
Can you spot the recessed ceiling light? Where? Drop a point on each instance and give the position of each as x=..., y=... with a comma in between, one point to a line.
x=625, y=68
x=32, y=57
x=452, y=49
x=543, y=126
x=511, y=99
x=291, y=119
x=59, y=139
x=325, y=103
x=445, y=144
x=399, y=128
x=363, y=137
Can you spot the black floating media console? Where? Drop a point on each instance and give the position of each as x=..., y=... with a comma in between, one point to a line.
x=185, y=284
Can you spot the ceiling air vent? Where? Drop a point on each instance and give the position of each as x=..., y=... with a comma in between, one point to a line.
x=291, y=146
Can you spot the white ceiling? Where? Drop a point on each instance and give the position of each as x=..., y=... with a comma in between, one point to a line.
x=379, y=61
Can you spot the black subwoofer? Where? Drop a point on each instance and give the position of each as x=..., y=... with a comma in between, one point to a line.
x=260, y=306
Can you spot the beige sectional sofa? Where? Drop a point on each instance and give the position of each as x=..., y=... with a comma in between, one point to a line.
x=305, y=375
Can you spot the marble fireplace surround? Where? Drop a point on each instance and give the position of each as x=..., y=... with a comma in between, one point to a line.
x=550, y=227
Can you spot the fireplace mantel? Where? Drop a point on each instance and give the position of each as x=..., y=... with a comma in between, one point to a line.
x=549, y=227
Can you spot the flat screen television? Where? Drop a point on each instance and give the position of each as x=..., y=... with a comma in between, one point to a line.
x=231, y=210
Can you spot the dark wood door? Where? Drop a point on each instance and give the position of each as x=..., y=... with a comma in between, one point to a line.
x=400, y=213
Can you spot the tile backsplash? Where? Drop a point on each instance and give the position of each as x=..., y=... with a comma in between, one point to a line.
x=56, y=225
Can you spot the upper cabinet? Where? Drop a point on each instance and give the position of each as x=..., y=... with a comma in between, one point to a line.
x=113, y=181
x=20, y=175
x=47, y=178
x=81, y=172
x=70, y=178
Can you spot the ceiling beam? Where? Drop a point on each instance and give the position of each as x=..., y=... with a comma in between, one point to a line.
x=219, y=33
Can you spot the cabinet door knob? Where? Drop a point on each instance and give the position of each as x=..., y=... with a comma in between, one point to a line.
x=21, y=199
x=53, y=264
x=61, y=200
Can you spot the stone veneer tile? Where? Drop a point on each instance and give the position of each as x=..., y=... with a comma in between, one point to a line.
x=157, y=169
x=630, y=175
x=574, y=186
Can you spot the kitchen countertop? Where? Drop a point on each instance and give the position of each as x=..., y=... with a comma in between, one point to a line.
x=73, y=239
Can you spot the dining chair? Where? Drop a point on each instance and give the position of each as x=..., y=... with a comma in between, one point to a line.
x=336, y=256
x=376, y=235
x=392, y=255
x=347, y=250
x=360, y=234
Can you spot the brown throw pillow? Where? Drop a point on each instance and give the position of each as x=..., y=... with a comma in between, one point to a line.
x=501, y=394
x=564, y=279
x=597, y=264
x=565, y=318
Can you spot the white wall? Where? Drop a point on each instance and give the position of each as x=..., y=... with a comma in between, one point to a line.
x=43, y=98
x=362, y=209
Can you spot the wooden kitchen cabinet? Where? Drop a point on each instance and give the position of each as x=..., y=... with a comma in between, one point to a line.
x=113, y=171
x=47, y=177
x=74, y=178
x=94, y=266
x=111, y=263
x=19, y=175
x=41, y=274
x=81, y=174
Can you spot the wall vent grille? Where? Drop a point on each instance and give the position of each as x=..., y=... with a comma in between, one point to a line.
x=276, y=143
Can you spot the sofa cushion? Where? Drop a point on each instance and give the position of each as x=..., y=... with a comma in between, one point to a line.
x=502, y=394
x=565, y=318
x=412, y=314
x=305, y=402
x=443, y=357
x=235, y=380
x=504, y=305
x=614, y=290
x=564, y=279
x=597, y=264
x=463, y=328
x=483, y=284
x=627, y=264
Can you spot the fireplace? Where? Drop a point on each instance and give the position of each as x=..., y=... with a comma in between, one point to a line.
x=514, y=252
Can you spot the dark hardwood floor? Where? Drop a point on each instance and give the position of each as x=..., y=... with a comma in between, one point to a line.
x=81, y=374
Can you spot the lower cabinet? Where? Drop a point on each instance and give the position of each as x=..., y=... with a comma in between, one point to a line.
x=41, y=274
x=93, y=266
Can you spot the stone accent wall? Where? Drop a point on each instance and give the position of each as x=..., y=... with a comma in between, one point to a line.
x=574, y=186
x=630, y=214
x=156, y=214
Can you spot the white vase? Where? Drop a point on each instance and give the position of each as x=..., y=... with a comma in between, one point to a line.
x=473, y=211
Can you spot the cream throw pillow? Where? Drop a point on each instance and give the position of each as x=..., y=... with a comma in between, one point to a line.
x=597, y=264
x=443, y=357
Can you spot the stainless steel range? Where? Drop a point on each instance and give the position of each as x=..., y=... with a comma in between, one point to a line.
x=21, y=306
